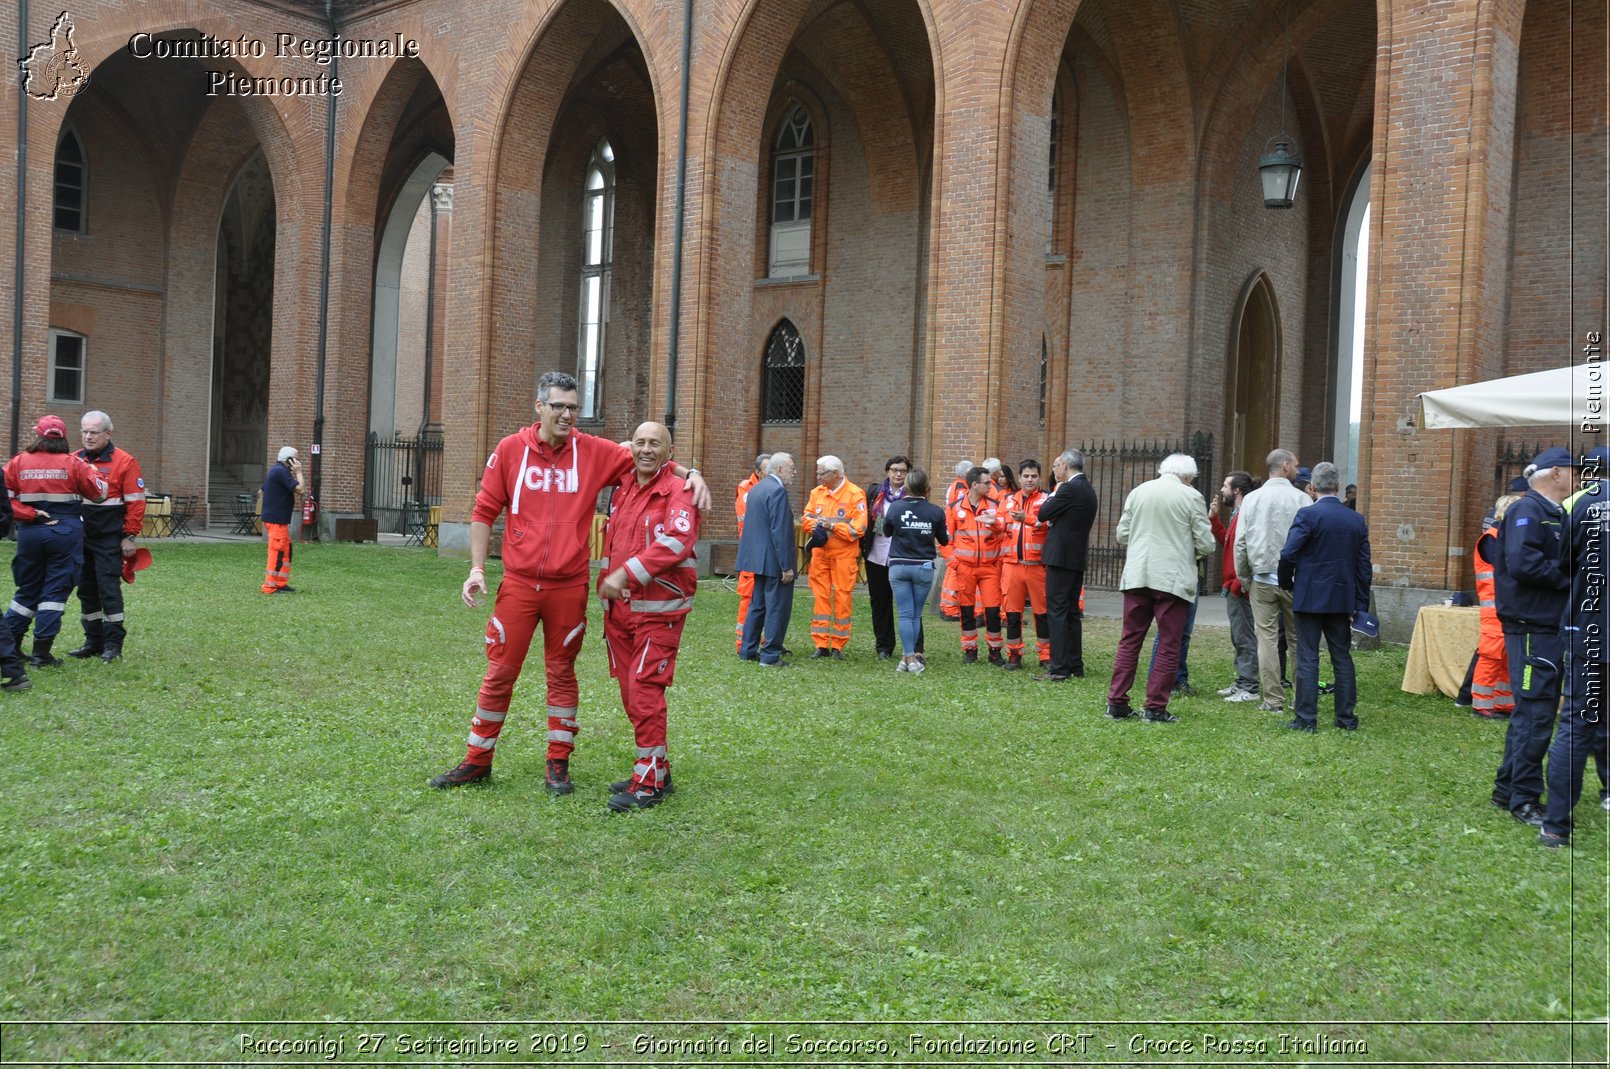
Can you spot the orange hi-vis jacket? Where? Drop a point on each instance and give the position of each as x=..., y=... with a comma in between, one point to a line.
x=1025, y=540
x=1490, y=690
x=741, y=505
x=845, y=507
x=976, y=533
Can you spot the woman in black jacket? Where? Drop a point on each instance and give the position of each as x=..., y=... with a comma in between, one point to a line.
x=916, y=526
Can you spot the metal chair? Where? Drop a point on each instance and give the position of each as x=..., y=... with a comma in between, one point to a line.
x=245, y=516
x=184, y=510
x=416, y=516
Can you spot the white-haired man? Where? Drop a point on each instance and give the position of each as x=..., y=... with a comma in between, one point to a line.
x=110, y=528
x=1164, y=527
x=835, y=520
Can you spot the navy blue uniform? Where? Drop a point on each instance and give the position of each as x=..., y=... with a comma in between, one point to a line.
x=1586, y=626
x=1532, y=593
x=47, y=490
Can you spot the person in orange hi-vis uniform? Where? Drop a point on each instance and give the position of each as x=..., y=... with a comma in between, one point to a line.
x=975, y=536
x=1490, y=694
x=947, y=582
x=1022, y=571
x=746, y=580
x=835, y=520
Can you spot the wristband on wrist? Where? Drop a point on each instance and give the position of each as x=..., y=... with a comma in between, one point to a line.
x=477, y=568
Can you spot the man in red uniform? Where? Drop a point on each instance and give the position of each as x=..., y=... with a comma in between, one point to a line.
x=110, y=528
x=746, y=580
x=1022, y=570
x=548, y=476
x=648, y=581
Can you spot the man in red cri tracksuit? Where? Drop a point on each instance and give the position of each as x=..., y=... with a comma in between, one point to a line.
x=548, y=476
x=648, y=581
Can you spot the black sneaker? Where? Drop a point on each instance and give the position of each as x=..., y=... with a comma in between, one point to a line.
x=87, y=650
x=1119, y=712
x=645, y=798
x=969, y=656
x=995, y=657
x=17, y=682
x=837, y=655
x=1528, y=813
x=111, y=653
x=462, y=776
x=1327, y=688
x=822, y=652
x=1159, y=716
x=623, y=785
x=1184, y=690
x=1013, y=664
x=558, y=781
x=1501, y=803
x=1300, y=725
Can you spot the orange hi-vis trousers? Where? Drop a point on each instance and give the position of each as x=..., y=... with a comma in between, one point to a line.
x=1025, y=582
x=832, y=580
x=279, y=557
x=978, y=583
x=519, y=608
x=1489, y=688
x=746, y=590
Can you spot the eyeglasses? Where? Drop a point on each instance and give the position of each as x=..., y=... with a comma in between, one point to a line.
x=572, y=409
x=898, y=471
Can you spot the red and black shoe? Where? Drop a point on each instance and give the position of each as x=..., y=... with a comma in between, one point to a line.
x=622, y=786
x=558, y=781
x=462, y=776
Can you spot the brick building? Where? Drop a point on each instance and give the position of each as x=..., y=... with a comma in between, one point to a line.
x=940, y=227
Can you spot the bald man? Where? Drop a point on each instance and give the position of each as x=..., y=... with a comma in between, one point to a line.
x=648, y=578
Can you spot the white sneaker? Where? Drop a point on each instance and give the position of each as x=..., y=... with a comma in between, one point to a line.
x=902, y=667
x=1239, y=695
x=1265, y=707
x=917, y=668
x=1605, y=802
x=1231, y=689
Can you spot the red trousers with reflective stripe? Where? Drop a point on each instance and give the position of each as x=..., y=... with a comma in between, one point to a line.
x=642, y=658
x=279, y=557
x=746, y=590
x=1489, y=687
x=520, y=606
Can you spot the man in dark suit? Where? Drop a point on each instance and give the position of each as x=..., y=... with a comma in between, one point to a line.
x=767, y=550
x=1326, y=565
x=1071, y=512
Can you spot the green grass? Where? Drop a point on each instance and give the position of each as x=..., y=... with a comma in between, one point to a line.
x=233, y=824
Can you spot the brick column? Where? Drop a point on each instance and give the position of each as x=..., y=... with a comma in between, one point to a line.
x=1444, y=134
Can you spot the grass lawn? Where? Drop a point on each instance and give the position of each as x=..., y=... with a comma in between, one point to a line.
x=233, y=824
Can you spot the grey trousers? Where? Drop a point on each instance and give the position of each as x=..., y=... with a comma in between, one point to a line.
x=1244, y=638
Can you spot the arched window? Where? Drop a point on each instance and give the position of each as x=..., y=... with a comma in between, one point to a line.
x=70, y=184
x=783, y=385
x=597, y=249
x=793, y=182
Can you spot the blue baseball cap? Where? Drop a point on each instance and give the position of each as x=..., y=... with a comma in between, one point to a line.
x=1556, y=457
x=1305, y=475
x=1518, y=485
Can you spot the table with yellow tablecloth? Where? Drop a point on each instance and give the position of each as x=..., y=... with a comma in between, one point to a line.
x=1444, y=640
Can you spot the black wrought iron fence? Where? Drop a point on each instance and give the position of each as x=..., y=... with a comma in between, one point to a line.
x=1511, y=462
x=402, y=476
x=1116, y=468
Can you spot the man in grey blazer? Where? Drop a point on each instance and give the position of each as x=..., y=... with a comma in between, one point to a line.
x=767, y=550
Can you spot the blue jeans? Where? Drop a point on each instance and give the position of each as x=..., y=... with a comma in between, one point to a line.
x=910, y=583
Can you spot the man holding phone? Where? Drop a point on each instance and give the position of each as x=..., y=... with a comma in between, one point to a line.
x=281, y=487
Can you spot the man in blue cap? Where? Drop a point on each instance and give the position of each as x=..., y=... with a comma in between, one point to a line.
x=1532, y=592
x=1583, y=727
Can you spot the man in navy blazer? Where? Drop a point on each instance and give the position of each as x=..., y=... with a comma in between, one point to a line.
x=767, y=550
x=1326, y=565
x=1071, y=512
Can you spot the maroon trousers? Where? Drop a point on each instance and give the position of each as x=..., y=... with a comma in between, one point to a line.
x=1141, y=607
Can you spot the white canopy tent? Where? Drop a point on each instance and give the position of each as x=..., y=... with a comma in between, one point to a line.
x=1574, y=395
